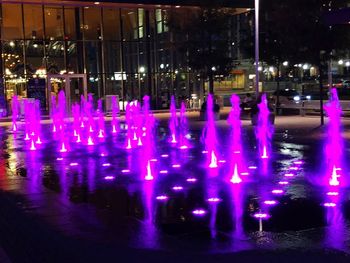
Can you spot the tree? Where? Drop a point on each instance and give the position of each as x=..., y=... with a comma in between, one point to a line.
x=203, y=37
x=295, y=31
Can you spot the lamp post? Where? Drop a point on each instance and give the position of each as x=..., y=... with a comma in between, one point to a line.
x=256, y=9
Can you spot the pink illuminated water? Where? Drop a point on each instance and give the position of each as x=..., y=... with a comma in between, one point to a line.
x=209, y=134
x=334, y=142
x=173, y=122
x=264, y=128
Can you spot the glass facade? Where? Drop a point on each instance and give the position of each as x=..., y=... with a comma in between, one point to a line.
x=124, y=51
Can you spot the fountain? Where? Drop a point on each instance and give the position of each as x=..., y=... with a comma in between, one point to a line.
x=235, y=123
x=115, y=112
x=334, y=143
x=264, y=128
x=209, y=134
x=15, y=112
x=183, y=127
x=173, y=123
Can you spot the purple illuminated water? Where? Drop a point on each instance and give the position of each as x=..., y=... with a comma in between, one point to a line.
x=334, y=143
x=173, y=122
x=264, y=128
x=209, y=134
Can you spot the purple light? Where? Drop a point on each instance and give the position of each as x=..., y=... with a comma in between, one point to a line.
x=222, y=161
x=270, y=202
x=330, y=204
x=245, y=173
x=294, y=168
x=176, y=165
x=178, y=188
x=73, y=164
x=199, y=212
x=164, y=156
x=214, y=200
x=261, y=215
x=162, y=197
x=153, y=160
x=59, y=159
x=126, y=171
x=191, y=180
x=277, y=191
x=283, y=183
x=252, y=167
x=333, y=193
x=106, y=164
x=163, y=171
x=109, y=177
x=103, y=154
x=298, y=162
x=183, y=147
x=204, y=152
x=289, y=175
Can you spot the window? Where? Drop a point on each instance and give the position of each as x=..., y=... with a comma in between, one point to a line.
x=12, y=22
x=53, y=22
x=33, y=26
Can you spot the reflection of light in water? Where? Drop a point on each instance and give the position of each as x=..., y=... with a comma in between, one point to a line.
x=162, y=197
x=177, y=188
x=277, y=191
x=283, y=183
x=163, y=172
x=288, y=175
x=329, y=204
x=176, y=165
x=106, y=164
x=270, y=202
x=191, y=180
x=73, y=164
x=333, y=193
x=109, y=177
x=125, y=171
x=214, y=200
x=199, y=212
x=165, y=155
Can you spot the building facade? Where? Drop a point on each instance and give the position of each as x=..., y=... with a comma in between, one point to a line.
x=103, y=48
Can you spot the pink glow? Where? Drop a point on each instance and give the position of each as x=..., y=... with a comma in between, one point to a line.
x=164, y=155
x=235, y=177
x=106, y=164
x=333, y=193
x=173, y=122
x=277, y=191
x=330, y=204
x=261, y=215
x=27, y=137
x=63, y=148
x=270, y=202
x=298, y=162
x=139, y=143
x=100, y=134
x=252, y=167
x=191, y=180
x=245, y=173
x=213, y=161
x=222, y=161
x=288, y=175
x=32, y=146
x=114, y=130
x=162, y=197
x=264, y=155
x=126, y=171
x=204, y=152
x=38, y=141
x=109, y=177
x=59, y=159
x=199, y=212
x=73, y=164
x=163, y=172
x=214, y=200
x=283, y=183
x=334, y=179
x=90, y=141
x=176, y=165
x=183, y=147
x=153, y=160
x=177, y=188
x=294, y=168
x=128, y=147
x=149, y=175
x=78, y=139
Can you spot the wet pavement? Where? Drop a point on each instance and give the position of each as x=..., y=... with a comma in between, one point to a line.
x=92, y=203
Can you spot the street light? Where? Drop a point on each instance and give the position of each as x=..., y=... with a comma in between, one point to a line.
x=256, y=9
